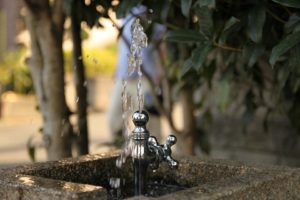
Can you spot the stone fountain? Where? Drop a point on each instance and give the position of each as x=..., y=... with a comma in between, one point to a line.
x=150, y=173
x=88, y=177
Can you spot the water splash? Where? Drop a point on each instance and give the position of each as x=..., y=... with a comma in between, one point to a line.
x=138, y=42
x=115, y=191
x=126, y=112
x=115, y=182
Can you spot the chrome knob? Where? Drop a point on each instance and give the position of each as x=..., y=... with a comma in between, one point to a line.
x=140, y=118
x=162, y=152
x=171, y=140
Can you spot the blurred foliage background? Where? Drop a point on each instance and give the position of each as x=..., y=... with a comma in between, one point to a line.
x=15, y=75
x=231, y=57
x=239, y=56
x=96, y=61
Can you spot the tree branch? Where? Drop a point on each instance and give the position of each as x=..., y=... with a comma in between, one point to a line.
x=37, y=6
x=275, y=16
x=227, y=47
x=58, y=16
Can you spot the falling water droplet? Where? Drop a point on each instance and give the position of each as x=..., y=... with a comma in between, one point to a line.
x=79, y=58
x=149, y=21
x=85, y=83
x=114, y=182
x=77, y=99
x=119, y=162
x=126, y=151
x=150, y=10
x=95, y=61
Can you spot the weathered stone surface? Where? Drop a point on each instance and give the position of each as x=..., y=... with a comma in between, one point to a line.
x=88, y=178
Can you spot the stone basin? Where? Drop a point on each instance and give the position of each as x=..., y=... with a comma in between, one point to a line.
x=88, y=177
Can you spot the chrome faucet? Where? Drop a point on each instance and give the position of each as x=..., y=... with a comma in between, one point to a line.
x=146, y=151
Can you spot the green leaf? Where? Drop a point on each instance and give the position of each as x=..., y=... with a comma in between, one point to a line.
x=206, y=3
x=293, y=67
x=289, y=3
x=293, y=60
x=125, y=6
x=31, y=148
x=205, y=21
x=197, y=59
x=31, y=153
x=185, y=36
x=296, y=85
x=199, y=55
x=256, y=21
x=282, y=75
x=164, y=9
x=190, y=78
x=256, y=54
x=230, y=30
x=187, y=66
x=293, y=24
x=252, y=53
x=208, y=73
x=223, y=97
x=286, y=44
x=231, y=22
x=185, y=7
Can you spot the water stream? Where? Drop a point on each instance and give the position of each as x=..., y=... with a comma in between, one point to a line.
x=138, y=42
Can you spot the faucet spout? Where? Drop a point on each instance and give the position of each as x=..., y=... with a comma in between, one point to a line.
x=146, y=151
x=140, y=136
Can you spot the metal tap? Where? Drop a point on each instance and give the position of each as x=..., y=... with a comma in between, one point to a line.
x=146, y=151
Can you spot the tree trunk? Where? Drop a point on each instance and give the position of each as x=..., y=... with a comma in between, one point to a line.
x=188, y=134
x=47, y=70
x=81, y=90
